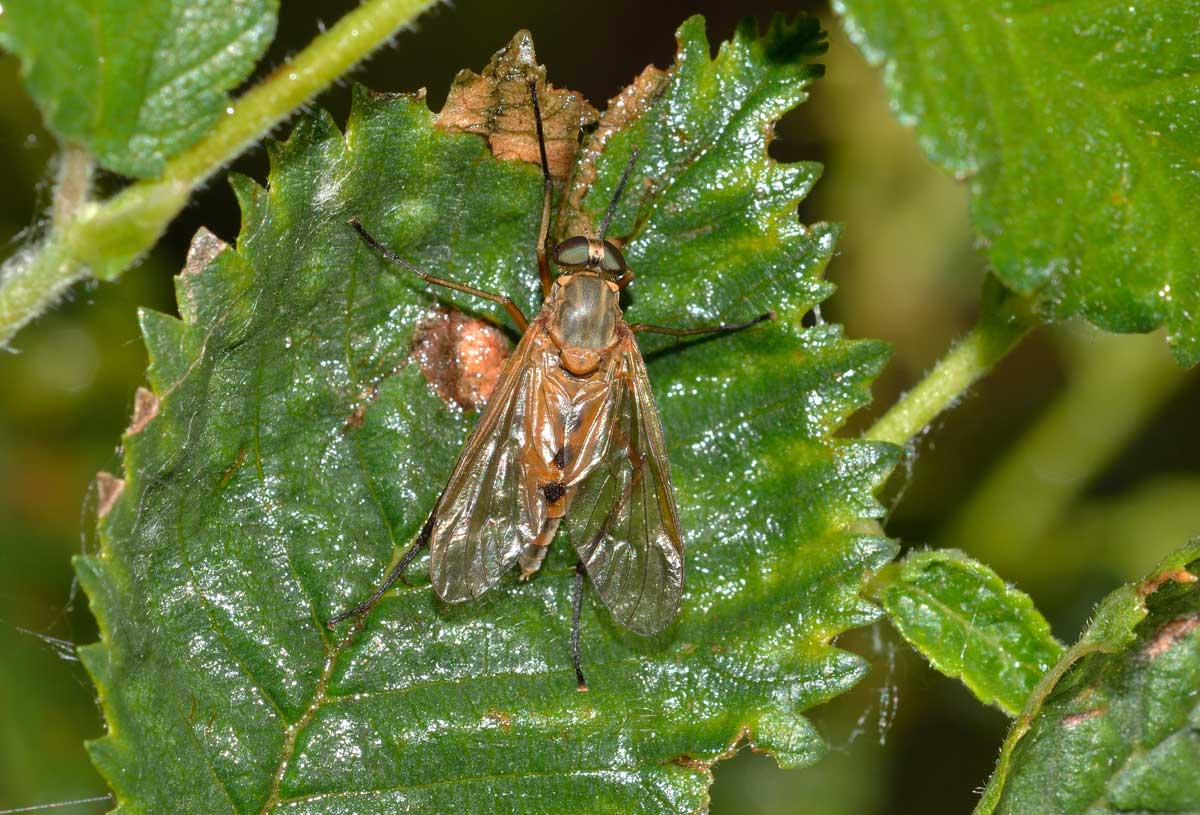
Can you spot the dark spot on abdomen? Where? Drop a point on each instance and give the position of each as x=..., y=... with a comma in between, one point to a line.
x=553, y=491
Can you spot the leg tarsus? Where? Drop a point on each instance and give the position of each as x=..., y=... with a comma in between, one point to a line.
x=576, y=608
x=396, y=573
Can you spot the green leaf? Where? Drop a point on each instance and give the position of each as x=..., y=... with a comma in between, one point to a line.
x=135, y=81
x=1077, y=124
x=293, y=450
x=969, y=624
x=1115, y=726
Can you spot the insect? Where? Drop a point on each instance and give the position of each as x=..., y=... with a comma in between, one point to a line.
x=571, y=431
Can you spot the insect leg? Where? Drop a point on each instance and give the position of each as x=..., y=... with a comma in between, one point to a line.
x=500, y=299
x=396, y=574
x=709, y=329
x=547, y=190
x=576, y=609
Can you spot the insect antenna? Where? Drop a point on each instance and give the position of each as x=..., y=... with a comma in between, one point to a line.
x=547, y=192
x=612, y=207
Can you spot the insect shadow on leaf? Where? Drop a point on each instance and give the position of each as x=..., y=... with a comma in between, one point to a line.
x=571, y=429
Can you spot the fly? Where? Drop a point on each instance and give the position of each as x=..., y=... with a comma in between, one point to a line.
x=571, y=430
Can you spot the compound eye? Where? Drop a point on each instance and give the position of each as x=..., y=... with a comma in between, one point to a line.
x=573, y=252
x=613, y=260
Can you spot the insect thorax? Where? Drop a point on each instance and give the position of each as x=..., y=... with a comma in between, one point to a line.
x=583, y=323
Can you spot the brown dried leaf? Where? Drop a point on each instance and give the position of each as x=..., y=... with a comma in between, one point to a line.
x=622, y=109
x=204, y=247
x=496, y=105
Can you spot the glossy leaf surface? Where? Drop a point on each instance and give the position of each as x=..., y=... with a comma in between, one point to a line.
x=1078, y=127
x=294, y=449
x=969, y=624
x=135, y=81
x=1115, y=726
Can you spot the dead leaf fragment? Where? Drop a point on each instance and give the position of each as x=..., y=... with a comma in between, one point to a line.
x=497, y=106
x=204, y=247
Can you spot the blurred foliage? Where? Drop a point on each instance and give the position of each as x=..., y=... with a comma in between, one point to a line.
x=128, y=81
x=1076, y=126
x=907, y=272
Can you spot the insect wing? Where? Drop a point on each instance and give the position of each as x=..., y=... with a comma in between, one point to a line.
x=486, y=516
x=630, y=543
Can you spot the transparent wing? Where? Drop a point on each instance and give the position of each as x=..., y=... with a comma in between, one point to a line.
x=624, y=522
x=486, y=515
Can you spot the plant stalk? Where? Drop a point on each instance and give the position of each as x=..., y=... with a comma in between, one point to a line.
x=102, y=239
x=1004, y=319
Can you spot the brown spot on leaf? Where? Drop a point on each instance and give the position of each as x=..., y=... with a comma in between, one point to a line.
x=1079, y=718
x=497, y=106
x=364, y=401
x=744, y=734
x=622, y=109
x=1170, y=634
x=691, y=763
x=232, y=468
x=145, y=408
x=500, y=717
x=461, y=356
x=108, y=490
x=1151, y=585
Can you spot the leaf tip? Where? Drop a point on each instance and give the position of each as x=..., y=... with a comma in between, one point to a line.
x=145, y=408
x=108, y=490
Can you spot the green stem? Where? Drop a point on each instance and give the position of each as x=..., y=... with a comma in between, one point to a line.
x=1003, y=321
x=103, y=239
x=325, y=59
x=73, y=184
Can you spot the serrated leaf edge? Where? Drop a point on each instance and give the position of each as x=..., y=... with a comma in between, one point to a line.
x=1128, y=603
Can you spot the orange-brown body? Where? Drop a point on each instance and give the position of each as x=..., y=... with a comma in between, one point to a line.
x=572, y=413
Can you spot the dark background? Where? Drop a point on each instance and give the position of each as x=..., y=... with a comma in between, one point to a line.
x=1072, y=468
